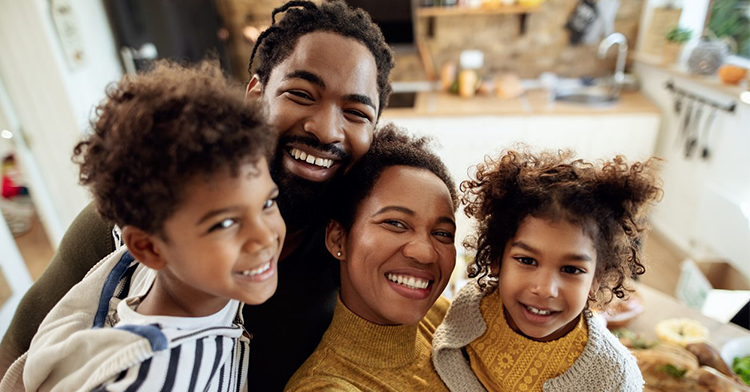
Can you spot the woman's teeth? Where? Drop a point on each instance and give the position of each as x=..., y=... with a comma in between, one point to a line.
x=311, y=159
x=538, y=311
x=257, y=271
x=408, y=281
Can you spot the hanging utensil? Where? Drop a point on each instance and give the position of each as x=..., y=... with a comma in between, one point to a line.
x=706, y=153
x=691, y=141
x=684, y=124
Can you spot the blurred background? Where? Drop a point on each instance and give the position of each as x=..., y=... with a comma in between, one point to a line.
x=604, y=77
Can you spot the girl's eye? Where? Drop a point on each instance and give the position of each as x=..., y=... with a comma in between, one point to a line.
x=224, y=224
x=526, y=260
x=569, y=269
x=269, y=203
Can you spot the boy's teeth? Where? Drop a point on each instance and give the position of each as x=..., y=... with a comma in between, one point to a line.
x=311, y=159
x=257, y=271
x=538, y=311
x=409, y=281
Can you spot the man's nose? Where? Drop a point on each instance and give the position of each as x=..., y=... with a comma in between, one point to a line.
x=421, y=250
x=545, y=285
x=326, y=124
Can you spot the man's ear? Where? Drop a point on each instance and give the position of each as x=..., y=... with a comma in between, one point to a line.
x=254, y=88
x=335, y=240
x=144, y=247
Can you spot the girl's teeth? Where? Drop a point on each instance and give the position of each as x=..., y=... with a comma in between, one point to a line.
x=538, y=311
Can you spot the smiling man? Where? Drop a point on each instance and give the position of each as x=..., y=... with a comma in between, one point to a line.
x=323, y=77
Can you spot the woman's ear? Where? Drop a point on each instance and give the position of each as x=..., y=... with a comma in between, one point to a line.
x=254, y=88
x=144, y=247
x=336, y=240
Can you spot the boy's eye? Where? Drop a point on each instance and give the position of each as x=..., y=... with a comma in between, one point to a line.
x=223, y=224
x=269, y=203
x=526, y=260
x=569, y=269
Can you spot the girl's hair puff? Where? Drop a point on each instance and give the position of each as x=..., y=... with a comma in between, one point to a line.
x=607, y=199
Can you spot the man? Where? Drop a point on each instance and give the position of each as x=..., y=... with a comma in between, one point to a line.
x=323, y=77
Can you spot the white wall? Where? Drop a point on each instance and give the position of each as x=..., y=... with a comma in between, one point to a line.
x=50, y=101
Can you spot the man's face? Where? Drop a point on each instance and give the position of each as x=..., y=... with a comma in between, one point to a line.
x=323, y=101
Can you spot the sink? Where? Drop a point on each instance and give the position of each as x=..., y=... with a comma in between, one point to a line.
x=592, y=96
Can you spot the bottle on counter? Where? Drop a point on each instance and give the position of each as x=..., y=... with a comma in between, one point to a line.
x=468, y=78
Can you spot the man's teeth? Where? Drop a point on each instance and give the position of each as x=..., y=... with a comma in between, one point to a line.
x=311, y=159
x=257, y=271
x=409, y=281
x=538, y=311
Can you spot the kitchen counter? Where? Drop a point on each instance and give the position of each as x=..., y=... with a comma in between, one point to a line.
x=534, y=102
x=659, y=306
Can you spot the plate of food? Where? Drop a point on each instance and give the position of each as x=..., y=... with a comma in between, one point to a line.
x=736, y=354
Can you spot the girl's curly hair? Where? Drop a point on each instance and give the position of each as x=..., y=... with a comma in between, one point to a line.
x=155, y=131
x=608, y=200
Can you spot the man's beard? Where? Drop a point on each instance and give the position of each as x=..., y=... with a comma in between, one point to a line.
x=301, y=202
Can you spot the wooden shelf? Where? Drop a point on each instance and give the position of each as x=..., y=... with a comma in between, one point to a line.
x=462, y=10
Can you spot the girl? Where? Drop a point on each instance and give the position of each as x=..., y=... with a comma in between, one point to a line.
x=555, y=236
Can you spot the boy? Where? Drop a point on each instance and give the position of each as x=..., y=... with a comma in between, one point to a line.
x=178, y=161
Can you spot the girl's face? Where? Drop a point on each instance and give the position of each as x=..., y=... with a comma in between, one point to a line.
x=399, y=254
x=546, y=275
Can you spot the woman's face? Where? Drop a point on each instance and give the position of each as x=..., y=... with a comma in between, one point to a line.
x=399, y=254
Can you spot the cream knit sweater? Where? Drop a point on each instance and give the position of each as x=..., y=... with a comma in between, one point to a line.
x=604, y=366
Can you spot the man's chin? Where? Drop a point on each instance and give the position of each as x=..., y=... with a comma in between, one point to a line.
x=301, y=201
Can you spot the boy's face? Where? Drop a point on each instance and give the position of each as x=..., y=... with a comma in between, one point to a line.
x=323, y=101
x=546, y=275
x=224, y=240
x=402, y=232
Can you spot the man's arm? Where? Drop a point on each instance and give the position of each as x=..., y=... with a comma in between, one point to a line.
x=88, y=240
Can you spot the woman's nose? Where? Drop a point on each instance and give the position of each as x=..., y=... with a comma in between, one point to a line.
x=421, y=250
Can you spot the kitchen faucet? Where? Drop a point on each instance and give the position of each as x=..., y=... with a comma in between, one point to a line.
x=622, y=55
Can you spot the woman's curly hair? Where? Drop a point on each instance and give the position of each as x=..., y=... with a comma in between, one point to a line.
x=156, y=131
x=608, y=200
x=391, y=146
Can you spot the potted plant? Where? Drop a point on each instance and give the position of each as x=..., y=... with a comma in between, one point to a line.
x=676, y=37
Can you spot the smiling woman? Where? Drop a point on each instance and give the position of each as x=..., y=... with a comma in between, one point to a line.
x=393, y=232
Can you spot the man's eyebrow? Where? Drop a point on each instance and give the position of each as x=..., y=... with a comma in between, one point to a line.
x=570, y=256
x=359, y=98
x=306, y=75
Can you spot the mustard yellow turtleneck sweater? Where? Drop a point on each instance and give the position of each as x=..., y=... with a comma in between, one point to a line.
x=504, y=360
x=357, y=355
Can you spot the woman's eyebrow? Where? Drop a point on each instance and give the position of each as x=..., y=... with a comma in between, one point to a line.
x=394, y=208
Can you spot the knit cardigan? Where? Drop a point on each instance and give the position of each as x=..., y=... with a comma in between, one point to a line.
x=604, y=366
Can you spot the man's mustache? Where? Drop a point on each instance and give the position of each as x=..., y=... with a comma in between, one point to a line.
x=314, y=143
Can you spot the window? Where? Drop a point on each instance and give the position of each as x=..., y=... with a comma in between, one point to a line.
x=731, y=18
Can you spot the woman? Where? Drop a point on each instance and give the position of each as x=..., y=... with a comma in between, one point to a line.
x=393, y=233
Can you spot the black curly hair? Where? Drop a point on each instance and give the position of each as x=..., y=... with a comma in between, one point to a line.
x=391, y=146
x=608, y=200
x=277, y=42
x=156, y=131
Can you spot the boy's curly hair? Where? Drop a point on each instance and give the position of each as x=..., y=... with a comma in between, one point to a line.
x=277, y=42
x=156, y=131
x=391, y=146
x=608, y=200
